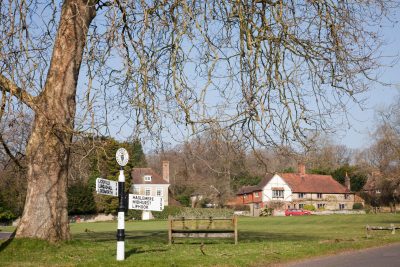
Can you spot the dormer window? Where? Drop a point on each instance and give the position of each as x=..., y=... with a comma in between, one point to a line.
x=147, y=178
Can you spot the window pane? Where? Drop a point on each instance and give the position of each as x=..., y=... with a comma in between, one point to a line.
x=136, y=190
x=147, y=192
x=159, y=192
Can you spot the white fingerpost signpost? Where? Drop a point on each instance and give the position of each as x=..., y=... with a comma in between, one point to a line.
x=122, y=159
x=136, y=202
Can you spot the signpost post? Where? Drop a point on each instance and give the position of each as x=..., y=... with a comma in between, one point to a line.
x=122, y=159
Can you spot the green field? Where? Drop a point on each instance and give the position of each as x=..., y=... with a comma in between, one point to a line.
x=262, y=241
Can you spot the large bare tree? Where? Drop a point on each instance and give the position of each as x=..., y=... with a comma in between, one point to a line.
x=269, y=71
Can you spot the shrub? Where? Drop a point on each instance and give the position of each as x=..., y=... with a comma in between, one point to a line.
x=358, y=206
x=309, y=207
x=168, y=211
x=241, y=207
x=192, y=212
x=184, y=200
x=80, y=200
x=205, y=213
x=181, y=212
x=367, y=208
x=266, y=212
x=6, y=216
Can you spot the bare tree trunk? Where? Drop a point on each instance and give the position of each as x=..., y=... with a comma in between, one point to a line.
x=45, y=215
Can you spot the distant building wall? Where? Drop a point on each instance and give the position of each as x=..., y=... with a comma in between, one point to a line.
x=275, y=184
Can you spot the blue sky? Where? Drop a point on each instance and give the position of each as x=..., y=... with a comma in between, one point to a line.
x=363, y=121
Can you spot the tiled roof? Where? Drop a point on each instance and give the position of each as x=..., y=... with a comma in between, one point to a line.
x=139, y=173
x=266, y=180
x=307, y=183
x=248, y=189
x=254, y=188
x=313, y=183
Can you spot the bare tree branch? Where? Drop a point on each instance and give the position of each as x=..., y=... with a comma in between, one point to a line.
x=22, y=95
x=9, y=153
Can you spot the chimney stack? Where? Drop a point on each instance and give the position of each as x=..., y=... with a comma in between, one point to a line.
x=347, y=181
x=165, y=170
x=301, y=168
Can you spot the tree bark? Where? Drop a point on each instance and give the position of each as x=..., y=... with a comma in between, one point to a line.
x=45, y=214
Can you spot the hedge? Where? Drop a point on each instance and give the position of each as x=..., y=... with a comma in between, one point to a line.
x=181, y=212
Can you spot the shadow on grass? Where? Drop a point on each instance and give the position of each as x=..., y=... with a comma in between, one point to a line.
x=5, y=244
x=145, y=237
x=138, y=236
x=246, y=236
x=134, y=251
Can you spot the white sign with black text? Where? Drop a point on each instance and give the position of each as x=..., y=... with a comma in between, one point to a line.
x=106, y=187
x=140, y=202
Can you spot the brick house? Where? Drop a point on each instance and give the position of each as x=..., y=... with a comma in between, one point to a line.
x=250, y=195
x=372, y=185
x=295, y=190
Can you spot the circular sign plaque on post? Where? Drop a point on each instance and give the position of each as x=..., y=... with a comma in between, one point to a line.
x=122, y=156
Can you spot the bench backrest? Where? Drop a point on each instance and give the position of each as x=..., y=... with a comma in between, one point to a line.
x=210, y=223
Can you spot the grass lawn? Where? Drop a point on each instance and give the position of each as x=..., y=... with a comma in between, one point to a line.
x=262, y=241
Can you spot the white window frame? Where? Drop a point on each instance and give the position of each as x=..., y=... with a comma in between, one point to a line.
x=136, y=190
x=319, y=195
x=147, y=189
x=342, y=206
x=301, y=206
x=301, y=195
x=147, y=178
x=278, y=193
x=321, y=205
x=256, y=194
x=159, y=190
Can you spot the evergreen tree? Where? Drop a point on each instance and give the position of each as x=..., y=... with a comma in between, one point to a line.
x=81, y=199
x=104, y=165
x=357, y=177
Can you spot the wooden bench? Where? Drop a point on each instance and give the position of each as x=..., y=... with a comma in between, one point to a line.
x=202, y=228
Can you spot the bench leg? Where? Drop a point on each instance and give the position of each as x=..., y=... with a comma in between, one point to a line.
x=235, y=229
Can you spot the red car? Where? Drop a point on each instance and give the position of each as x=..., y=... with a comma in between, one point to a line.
x=296, y=212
